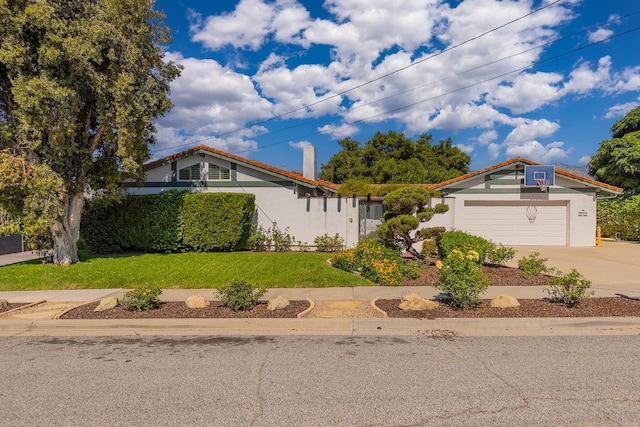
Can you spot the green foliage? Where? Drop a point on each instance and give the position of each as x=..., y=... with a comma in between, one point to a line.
x=533, y=264
x=145, y=298
x=406, y=200
x=170, y=221
x=569, y=289
x=620, y=217
x=375, y=261
x=216, y=221
x=500, y=255
x=328, y=243
x=393, y=158
x=262, y=240
x=80, y=86
x=412, y=268
x=432, y=232
x=37, y=237
x=441, y=208
x=461, y=278
x=465, y=242
x=241, y=295
x=617, y=161
x=426, y=214
x=429, y=248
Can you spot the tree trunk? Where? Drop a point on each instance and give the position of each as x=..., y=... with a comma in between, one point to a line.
x=66, y=232
x=409, y=242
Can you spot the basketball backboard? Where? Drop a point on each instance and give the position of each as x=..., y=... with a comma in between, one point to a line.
x=534, y=174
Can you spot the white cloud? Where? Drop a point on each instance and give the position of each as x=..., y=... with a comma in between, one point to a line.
x=339, y=131
x=528, y=130
x=527, y=92
x=493, y=151
x=299, y=145
x=584, y=160
x=582, y=80
x=487, y=137
x=621, y=109
x=534, y=150
x=599, y=35
x=467, y=148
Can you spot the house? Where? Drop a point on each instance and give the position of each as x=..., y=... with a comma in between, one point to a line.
x=299, y=203
x=508, y=203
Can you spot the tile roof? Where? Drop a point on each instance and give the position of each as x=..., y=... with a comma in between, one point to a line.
x=528, y=162
x=296, y=176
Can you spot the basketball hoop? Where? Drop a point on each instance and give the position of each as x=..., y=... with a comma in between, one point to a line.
x=543, y=184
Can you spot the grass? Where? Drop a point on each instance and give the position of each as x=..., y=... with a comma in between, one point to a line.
x=188, y=270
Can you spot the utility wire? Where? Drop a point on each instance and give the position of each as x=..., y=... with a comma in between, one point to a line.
x=304, y=107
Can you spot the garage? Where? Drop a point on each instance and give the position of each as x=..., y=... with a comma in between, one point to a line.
x=518, y=223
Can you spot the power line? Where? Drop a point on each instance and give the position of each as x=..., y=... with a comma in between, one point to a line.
x=304, y=107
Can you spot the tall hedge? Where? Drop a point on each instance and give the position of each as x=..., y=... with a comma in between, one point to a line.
x=217, y=221
x=168, y=222
x=620, y=215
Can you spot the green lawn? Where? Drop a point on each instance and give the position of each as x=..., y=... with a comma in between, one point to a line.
x=188, y=270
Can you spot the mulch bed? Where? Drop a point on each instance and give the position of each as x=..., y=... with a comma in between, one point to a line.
x=11, y=306
x=173, y=310
x=498, y=276
x=592, y=307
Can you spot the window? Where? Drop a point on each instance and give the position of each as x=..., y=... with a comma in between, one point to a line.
x=192, y=173
x=217, y=173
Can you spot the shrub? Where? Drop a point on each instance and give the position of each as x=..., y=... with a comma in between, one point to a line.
x=533, y=264
x=620, y=216
x=432, y=232
x=241, y=295
x=282, y=240
x=500, y=255
x=412, y=268
x=462, y=279
x=142, y=299
x=441, y=208
x=429, y=248
x=569, y=289
x=327, y=243
x=465, y=242
x=426, y=214
x=260, y=239
x=374, y=260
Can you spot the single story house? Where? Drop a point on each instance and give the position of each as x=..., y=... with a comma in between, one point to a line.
x=516, y=202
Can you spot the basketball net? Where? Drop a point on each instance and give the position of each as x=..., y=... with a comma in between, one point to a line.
x=543, y=184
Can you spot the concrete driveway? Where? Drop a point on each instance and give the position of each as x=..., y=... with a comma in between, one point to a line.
x=614, y=265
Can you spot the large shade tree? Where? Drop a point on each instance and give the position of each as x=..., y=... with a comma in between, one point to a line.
x=617, y=160
x=392, y=158
x=81, y=82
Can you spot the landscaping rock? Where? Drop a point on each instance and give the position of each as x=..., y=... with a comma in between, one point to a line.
x=504, y=301
x=3, y=304
x=414, y=302
x=278, y=303
x=107, y=304
x=197, y=301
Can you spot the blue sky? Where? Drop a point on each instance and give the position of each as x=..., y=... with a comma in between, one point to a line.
x=262, y=78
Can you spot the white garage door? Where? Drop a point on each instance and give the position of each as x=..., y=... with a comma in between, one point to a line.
x=512, y=224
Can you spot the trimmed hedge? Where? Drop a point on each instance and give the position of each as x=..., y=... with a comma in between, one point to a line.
x=170, y=221
x=620, y=215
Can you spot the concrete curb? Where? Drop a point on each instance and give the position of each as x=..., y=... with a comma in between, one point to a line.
x=318, y=326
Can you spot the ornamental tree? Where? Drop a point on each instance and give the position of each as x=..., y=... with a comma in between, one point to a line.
x=405, y=208
x=80, y=85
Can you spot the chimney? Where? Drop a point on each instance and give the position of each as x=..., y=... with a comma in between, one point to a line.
x=309, y=163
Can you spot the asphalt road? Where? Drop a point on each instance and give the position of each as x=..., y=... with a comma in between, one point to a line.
x=425, y=379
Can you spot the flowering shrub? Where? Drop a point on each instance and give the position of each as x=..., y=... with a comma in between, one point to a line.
x=465, y=242
x=374, y=260
x=261, y=240
x=462, y=279
x=142, y=299
x=327, y=243
x=569, y=289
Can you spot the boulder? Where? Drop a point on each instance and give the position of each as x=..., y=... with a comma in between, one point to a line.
x=504, y=301
x=107, y=304
x=196, y=301
x=3, y=304
x=414, y=302
x=278, y=303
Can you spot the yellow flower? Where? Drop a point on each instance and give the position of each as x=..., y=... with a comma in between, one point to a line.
x=439, y=265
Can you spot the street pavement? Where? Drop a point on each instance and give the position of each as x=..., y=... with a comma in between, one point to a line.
x=613, y=268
